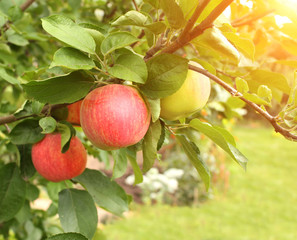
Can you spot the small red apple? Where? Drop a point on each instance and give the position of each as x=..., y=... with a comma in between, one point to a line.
x=74, y=112
x=114, y=116
x=54, y=165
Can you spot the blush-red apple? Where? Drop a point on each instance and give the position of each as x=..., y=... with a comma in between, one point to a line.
x=74, y=112
x=54, y=165
x=114, y=116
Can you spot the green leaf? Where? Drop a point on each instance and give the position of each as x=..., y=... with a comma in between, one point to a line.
x=193, y=154
x=256, y=99
x=245, y=45
x=241, y=85
x=34, y=232
x=220, y=139
x=188, y=7
x=150, y=144
x=48, y=124
x=270, y=79
x=214, y=39
x=17, y=40
x=120, y=163
x=162, y=137
x=72, y=58
x=62, y=89
x=166, y=74
x=131, y=154
x=67, y=236
x=12, y=191
x=26, y=132
x=7, y=77
x=117, y=40
x=135, y=18
x=32, y=192
x=129, y=67
x=53, y=189
x=64, y=29
x=29, y=108
x=77, y=212
x=26, y=164
x=155, y=108
x=67, y=132
x=173, y=13
x=206, y=65
x=106, y=193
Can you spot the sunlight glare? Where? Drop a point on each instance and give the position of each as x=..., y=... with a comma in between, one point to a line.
x=247, y=3
x=281, y=20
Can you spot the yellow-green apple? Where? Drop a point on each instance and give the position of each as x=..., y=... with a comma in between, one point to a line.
x=74, y=112
x=189, y=98
x=54, y=165
x=114, y=116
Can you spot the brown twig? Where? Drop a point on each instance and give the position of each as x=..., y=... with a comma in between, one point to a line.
x=140, y=36
x=26, y=4
x=199, y=29
x=191, y=22
x=11, y=118
x=249, y=18
x=135, y=5
x=273, y=120
x=159, y=45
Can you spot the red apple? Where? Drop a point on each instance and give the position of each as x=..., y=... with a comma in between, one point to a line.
x=114, y=116
x=54, y=165
x=74, y=112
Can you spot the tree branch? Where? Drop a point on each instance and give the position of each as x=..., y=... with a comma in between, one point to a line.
x=248, y=19
x=286, y=133
x=11, y=118
x=135, y=5
x=199, y=29
x=26, y=4
x=191, y=22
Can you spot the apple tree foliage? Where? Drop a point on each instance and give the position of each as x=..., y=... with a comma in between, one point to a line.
x=52, y=53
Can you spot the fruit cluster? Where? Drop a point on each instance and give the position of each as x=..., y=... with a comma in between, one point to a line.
x=113, y=116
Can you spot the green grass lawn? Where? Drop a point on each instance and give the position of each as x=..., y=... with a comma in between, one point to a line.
x=261, y=204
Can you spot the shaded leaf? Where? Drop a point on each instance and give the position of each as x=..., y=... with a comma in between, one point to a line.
x=166, y=74
x=155, y=108
x=26, y=132
x=29, y=108
x=7, y=77
x=67, y=132
x=26, y=164
x=106, y=193
x=68, y=236
x=62, y=89
x=193, y=154
x=120, y=163
x=131, y=154
x=150, y=144
x=77, y=212
x=12, y=191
